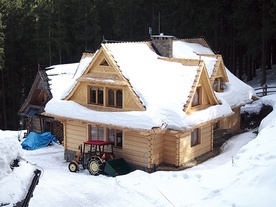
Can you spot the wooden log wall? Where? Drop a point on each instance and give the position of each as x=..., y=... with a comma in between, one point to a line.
x=232, y=122
x=136, y=149
x=147, y=149
x=157, y=149
x=75, y=133
x=187, y=153
x=171, y=144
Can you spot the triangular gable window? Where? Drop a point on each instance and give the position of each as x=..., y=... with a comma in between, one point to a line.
x=104, y=63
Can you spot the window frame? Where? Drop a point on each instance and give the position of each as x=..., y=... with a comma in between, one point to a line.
x=115, y=140
x=103, y=134
x=197, y=98
x=115, y=99
x=216, y=125
x=98, y=100
x=217, y=85
x=99, y=133
x=195, y=137
x=111, y=96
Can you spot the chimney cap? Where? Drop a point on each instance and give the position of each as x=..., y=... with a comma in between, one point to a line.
x=161, y=35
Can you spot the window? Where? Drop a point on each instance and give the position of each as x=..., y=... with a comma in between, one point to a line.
x=218, y=85
x=96, y=95
x=106, y=134
x=197, y=97
x=115, y=98
x=104, y=63
x=195, y=137
x=116, y=136
x=111, y=97
x=96, y=133
x=119, y=98
x=216, y=125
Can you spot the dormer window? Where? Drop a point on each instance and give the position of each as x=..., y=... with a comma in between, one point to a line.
x=115, y=98
x=110, y=97
x=197, y=97
x=96, y=95
x=218, y=85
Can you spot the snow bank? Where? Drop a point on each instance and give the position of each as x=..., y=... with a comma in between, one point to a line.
x=13, y=183
x=270, y=118
x=10, y=149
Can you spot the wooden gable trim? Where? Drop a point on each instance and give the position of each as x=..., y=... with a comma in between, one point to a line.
x=203, y=81
x=219, y=68
x=71, y=93
x=36, y=93
x=113, y=73
x=126, y=81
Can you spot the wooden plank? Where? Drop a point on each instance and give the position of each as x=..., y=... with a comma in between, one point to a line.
x=128, y=139
x=169, y=149
x=136, y=145
x=77, y=127
x=136, y=149
x=158, y=146
x=76, y=133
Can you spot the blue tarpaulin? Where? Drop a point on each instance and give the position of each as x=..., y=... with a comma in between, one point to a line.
x=35, y=141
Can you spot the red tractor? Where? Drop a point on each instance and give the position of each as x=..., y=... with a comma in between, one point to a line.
x=98, y=157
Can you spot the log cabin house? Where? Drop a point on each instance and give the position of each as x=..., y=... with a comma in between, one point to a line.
x=161, y=101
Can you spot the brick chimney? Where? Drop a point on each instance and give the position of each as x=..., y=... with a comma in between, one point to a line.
x=163, y=44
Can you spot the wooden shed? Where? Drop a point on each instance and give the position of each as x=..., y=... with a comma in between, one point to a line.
x=31, y=116
x=157, y=107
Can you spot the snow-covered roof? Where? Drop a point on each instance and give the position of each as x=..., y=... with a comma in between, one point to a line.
x=236, y=92
x=62, y=78
x=162, y=86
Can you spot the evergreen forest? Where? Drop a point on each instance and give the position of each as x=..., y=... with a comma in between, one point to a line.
x=46, y=32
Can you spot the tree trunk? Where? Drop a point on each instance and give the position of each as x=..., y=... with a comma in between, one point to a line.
x=249, y=67
x=273, y=51
x=263, y=67
x=269, y=64
x=240, y=62
x=233, y=52
x=4, y=101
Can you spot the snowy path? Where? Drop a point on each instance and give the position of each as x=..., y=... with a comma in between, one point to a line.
x=58, y=187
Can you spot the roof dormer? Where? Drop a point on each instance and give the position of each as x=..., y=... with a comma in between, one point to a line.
x=201, y=94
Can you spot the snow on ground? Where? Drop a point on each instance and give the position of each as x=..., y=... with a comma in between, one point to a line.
x=13, y=184
x=242, y=175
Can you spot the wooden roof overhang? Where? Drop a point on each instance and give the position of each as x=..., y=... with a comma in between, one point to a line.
x=191, y=128
x=64, y=120
x=110, y=79
x=37, y=93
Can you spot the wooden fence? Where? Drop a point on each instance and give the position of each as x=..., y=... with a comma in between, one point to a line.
x=265, y=91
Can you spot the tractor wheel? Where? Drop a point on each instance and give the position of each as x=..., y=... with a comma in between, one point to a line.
x=94, y=166
x=73, y=167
